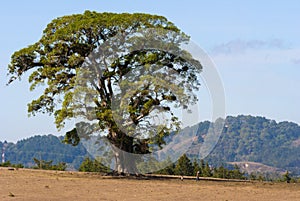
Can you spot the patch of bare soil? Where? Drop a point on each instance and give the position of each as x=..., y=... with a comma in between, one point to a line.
x=24, y=184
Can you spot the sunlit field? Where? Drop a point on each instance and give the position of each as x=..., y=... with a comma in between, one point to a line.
x=26, y=184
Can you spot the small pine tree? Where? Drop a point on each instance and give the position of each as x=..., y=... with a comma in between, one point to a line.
x=87, y=165
x=196, y=167
x=207, y=171
x=236, y=173
x=202, y=167
x=184, y=166
x=221, y=172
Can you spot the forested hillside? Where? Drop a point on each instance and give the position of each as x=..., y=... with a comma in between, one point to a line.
x=48, y=147
x=255, y=139
x=244, y=139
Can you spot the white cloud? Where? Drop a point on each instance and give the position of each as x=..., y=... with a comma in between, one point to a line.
x=242, y=46
x=259, y=57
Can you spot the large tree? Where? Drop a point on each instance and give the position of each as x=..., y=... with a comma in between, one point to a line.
x=118, y=72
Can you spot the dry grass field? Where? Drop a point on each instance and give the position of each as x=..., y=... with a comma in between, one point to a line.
x=24, y=184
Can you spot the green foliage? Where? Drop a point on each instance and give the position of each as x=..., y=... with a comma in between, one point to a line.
x=55, y=61
x=169, y=170
x=184, y=166
x=286, y=177
x=265, y=176
x=8, y=164
x=89, y=165
x=236, y=173
x=206, y=171
x=197, y=168
x=72, y=138
x=222, y=172
x=47, y=165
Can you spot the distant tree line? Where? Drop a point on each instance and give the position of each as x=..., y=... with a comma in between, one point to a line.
x=185, y=167
x=9, y=164
x=47, y=165
x=182, y=167
x=40, y=164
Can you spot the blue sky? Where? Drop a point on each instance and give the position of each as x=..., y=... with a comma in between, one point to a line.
x=254, y=44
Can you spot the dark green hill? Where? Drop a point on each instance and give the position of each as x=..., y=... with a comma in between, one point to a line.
x=47, y=147
x=255, y=139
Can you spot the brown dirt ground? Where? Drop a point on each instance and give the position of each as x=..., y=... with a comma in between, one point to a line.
x=24, y=184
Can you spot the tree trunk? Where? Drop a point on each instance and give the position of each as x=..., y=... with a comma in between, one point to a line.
x=125, y=162
x=125, y=159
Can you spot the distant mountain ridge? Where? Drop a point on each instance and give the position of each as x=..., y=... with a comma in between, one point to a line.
x=256, y=139
x=46, y=147
x=244, y=139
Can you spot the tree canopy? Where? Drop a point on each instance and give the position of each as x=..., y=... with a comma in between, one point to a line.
x=118, y=72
